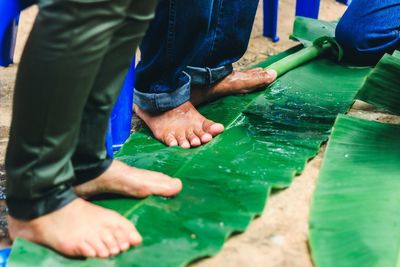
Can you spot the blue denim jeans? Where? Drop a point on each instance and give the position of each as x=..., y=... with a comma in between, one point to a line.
x=190, y=42
x=368, y=29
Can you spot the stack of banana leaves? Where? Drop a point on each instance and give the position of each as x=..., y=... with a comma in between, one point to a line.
x=355, y=219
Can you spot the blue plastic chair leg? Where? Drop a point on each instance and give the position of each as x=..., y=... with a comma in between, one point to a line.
x=109, y=142
x=9, y=13
x=270, y=19
x=4, y=255
x=307, y=8
x=346, y=2
x=121, y=116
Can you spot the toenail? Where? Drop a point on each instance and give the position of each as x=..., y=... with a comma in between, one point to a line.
x=185, y=144
x=124, y=246
x=104, y=255
x=195, y=141
x=114, y=251
x=173, y=143
x=135, y=238
x=206, y=136
x=217, y=126
x=177, y=182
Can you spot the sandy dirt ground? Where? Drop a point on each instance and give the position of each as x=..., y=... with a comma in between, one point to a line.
x=278, y=238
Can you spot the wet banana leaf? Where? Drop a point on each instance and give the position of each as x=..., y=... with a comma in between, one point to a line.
x=269, y=137
x=355, y=218
x=382, y=87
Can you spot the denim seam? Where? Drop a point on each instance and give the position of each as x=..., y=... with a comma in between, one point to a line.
x=209, y=73
x=217, y=26
x=171, y=32
x=155, y=102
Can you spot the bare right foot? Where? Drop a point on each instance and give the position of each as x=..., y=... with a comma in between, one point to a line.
x=80, y=229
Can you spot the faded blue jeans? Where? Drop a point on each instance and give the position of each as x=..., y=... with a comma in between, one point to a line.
x=190, y=42
x=368, y=29
x=195, y=42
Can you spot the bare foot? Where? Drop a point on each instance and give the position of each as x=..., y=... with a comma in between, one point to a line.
x=238, y=82
x=122, y=179
x=183, y=126
x=79, y=229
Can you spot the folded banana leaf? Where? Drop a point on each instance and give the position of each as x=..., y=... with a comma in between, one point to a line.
x=382, y=87
x=307, y=30
x=269, y=137
x=355, y=218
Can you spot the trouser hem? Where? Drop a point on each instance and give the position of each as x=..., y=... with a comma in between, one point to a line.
x=29, y=209
x=87, y=174
x=207, y=77
x=161, y=102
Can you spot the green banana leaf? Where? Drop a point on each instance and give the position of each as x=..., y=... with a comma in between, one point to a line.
x=355, y=214
x=307, y=30
x=355, y=218
x=382, y=87
x=269, y=137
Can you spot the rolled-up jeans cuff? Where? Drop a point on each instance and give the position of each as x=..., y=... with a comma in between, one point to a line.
x=28, y=209
x=160, y=102
x=208, y=76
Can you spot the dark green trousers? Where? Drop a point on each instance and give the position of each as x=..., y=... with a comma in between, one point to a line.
x=72, y=68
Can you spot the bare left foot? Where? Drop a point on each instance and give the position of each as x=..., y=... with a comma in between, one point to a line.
x=123, y=179
x=238, y=82
x=183, y=126
x=79, y=229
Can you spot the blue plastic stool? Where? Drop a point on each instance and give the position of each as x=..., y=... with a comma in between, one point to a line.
x=304, y=8
x=4, y=254
x=9, y=13
x=121, y=116
x=270, y=19
x=346, y=2
x=307, y=8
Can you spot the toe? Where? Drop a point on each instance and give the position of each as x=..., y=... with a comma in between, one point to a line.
x=100, y=248
x=182, y=141
x=170, y=140
x=111, y=243
x=203, y=136
x=86, y=250
x=164, y=185
x=122, y=238
x=134, y=238
x=175, y=186
x=193, y=139
x=212, y=127
x=73, y=250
